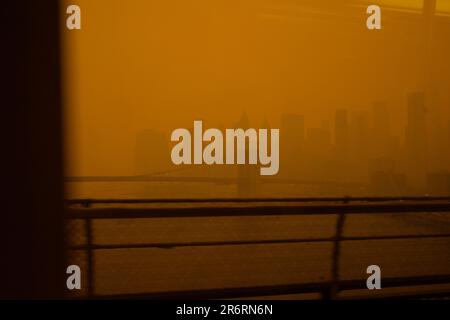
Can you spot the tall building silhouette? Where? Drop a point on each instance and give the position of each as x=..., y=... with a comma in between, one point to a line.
x=292, y=139
x=341, y=132
x=359, y=144
x=151, y=153
x=317, y=152
x=448, y=144
x=341, y=141
x=360, y=133
x=416, y=137
x=381, y=129
x=248, y=175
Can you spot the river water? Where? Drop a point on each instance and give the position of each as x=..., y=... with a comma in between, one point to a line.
x=122, y=271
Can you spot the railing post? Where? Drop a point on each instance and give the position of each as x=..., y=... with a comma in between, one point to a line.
x=334, y=288
x=90, y=258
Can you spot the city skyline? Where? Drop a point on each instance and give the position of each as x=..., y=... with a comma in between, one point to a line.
x=360, y=146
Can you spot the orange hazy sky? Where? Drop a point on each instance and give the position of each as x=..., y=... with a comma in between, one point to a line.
x=142, y=64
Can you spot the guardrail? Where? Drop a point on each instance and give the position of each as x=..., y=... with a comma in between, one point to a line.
x=85, y=209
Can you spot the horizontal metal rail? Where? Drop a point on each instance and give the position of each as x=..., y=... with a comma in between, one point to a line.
x=212, y=180
x=171, y=245
x=206, y=208
x=255, y=210
x=89, y=202
x=275, y=290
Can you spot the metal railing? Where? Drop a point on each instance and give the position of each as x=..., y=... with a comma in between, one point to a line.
x=85, y=209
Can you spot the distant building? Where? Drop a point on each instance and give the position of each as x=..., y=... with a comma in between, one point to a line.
x=293, y=127
x=447, y=153
x=248, y=185
x=383, y=164
x=416, y=139
x=381, y=129
x=292, y=139
x=384, y=180
x=438, y=184
x=341, y=132
x=387, y=183
x=317, y=153
x=359, y=140
x=151, y=153
x=359, y=133
x=342, y=167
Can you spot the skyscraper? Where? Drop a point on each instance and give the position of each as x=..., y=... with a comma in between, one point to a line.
x=151, y=153
x=416, y=137
x=381, y=129
x=292, y=138
x=341, y=133
x=248, y=175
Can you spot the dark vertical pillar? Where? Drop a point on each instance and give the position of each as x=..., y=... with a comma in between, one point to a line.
x=31, y=224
